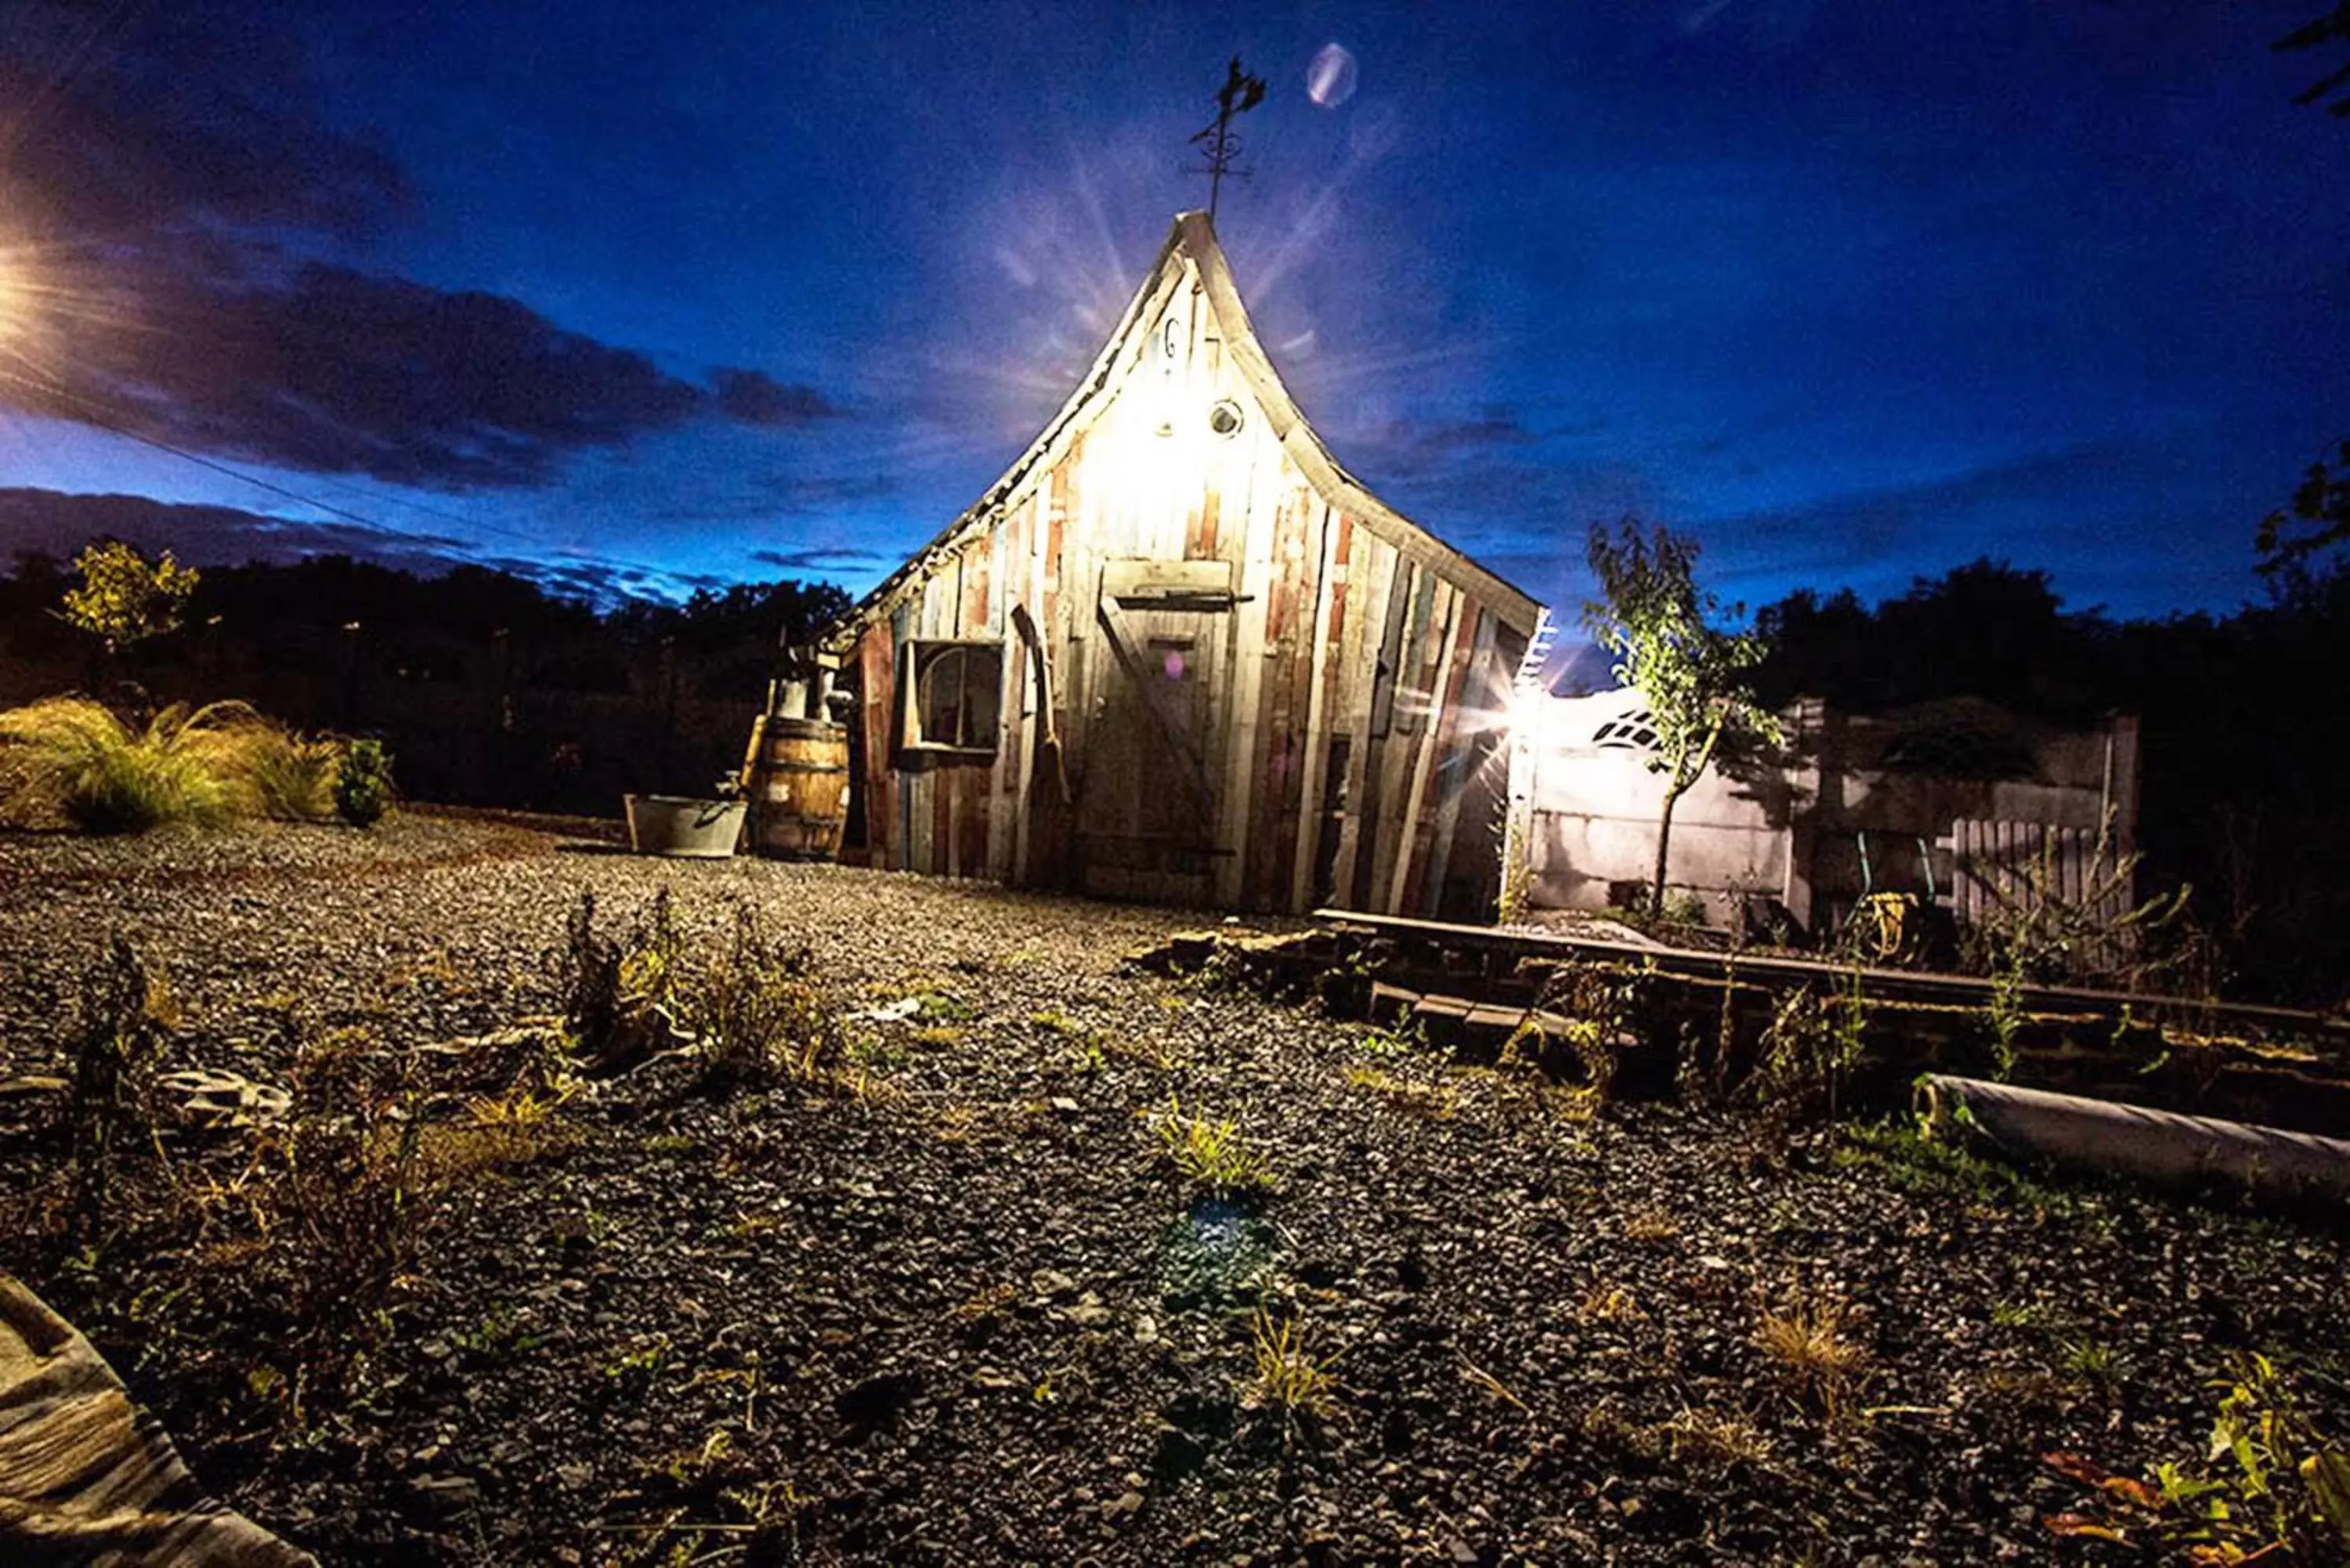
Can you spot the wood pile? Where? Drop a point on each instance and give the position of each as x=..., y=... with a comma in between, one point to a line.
x=1669, y=1013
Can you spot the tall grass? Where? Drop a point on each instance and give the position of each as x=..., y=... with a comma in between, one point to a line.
x=73, y=757
x=284, y=775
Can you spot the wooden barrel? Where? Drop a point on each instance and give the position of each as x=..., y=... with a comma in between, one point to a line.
x=799, y=785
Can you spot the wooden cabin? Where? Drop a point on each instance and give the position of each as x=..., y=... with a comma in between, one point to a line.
x=1178, y=654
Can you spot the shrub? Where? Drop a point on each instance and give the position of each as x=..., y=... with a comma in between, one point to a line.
x=363, y=783
x=75, y=757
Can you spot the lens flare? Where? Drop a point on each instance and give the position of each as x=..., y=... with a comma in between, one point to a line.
x=1330, y=79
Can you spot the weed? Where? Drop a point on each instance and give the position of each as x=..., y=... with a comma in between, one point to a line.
x=1717, y=1438
x=652, y=966
x=2017, y=1315
x=632, y=1373
x=500, y=1329
x=758, y=1016
x=349, y=1212
x=590, y=982
x=1056, y=1022
x=1212, y=1155
x=1432, y=1100
x=662, y=1145
x=1816, y=1355
x=938, y=1035
x=1401, y=1040
x=2092, y=1361
x=1287, y=1378
x=1608, y=1304
x=126, y=1015
x=2269, y=1484
x=1810, y=1048
x=2050, y=922
x=1598, y=1002
x=1926, y=1168
x=510, y=1128
x=688, y=1468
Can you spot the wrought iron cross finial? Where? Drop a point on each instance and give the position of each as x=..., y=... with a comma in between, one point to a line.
x=1240, y=93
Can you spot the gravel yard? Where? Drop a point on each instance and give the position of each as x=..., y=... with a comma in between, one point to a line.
x=964, y=1309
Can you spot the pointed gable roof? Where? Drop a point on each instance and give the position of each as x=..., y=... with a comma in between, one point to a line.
x=1193, y=238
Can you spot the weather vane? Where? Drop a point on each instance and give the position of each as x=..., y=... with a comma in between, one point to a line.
x=1240, y=93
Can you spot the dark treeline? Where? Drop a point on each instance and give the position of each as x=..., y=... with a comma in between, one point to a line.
x=489, y=690
x=2244, y=731
x=441, y=627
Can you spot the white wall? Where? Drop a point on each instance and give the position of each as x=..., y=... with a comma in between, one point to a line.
x=1584, y=805
x=1591, y=814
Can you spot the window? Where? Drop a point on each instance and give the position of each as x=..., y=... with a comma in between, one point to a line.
x=954, y=696
x=1633, y=732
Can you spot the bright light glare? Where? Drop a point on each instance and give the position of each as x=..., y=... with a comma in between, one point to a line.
x=1330, y=79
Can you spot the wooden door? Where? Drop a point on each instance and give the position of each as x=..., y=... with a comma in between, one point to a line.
x=1149, y=806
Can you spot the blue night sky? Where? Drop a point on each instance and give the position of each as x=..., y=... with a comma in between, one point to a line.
x=637, y=296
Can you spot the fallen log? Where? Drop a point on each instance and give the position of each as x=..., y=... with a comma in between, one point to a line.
x=2163, y=1147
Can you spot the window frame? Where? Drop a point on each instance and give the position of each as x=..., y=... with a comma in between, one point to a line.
x=917, y=653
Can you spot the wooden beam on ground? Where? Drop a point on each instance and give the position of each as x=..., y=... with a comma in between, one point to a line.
x=1956, y=991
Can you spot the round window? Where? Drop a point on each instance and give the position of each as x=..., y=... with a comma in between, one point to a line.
x=1224, y=419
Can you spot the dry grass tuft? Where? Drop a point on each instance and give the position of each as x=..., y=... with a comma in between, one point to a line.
x=1715, y=1438
x=1435, y=1101
x=1810, y=1342
x=1609, y=1303
x=1287, y=1377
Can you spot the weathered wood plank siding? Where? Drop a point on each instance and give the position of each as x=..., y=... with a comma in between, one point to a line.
x=1343, y=694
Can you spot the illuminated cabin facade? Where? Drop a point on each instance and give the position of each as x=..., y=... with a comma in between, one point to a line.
x=1178, y=654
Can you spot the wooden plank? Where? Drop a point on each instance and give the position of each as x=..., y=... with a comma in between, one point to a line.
x=1359, y=664
x=1461, y=759
x=1271, y=811
x=2331, y=1032
x=1006, y=566
x=1032, y=717
x=1392, y=766
x=1244, y=685
x=1329, y=615
x=1411, y=844
x=878, y=675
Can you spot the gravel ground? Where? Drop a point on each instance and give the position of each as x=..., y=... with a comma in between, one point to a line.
x=973, y=1316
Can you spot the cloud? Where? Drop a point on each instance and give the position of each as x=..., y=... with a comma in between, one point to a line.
x=820, y=560
x=59, y=524
x=179, y=220
x=756, y=398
